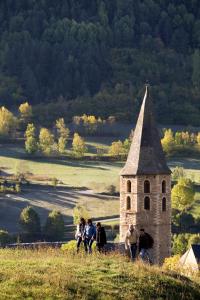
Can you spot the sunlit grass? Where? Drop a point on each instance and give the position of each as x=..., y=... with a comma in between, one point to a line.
x=53, y=274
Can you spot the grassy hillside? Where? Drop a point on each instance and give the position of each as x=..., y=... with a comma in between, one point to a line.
x=51, y=274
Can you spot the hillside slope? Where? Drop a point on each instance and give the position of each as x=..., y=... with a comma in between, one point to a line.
x=88, y=53
x=50, y=274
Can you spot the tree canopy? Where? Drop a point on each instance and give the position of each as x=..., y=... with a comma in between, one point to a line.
x=94, y=56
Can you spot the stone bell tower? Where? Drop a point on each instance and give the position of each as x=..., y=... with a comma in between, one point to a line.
x=145, y=185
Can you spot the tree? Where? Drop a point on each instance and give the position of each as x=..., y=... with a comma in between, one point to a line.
x=116, y=149
x=80, y=212
x=183, y=193
x=168, y=141
x=7, y=122
x=198, y=138
x=26, y=113
x=180, y=243
x=30, y=222
x=31, y=144
x=5, y=238
x=196, y=69
x=54, y=228
x=21, y=170
x=78, y=145
x=178, y=138
x=46, y=141
x=184, y=220
x=63, y=134
x=194, y=239
x=126, y=146
x=178, y=173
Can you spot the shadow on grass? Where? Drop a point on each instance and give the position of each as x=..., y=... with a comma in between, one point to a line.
x=18, y=153
x=187, y=163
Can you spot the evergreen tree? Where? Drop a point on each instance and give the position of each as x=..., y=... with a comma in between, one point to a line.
x=54, y=228
x=196, y=69
x=30, y=222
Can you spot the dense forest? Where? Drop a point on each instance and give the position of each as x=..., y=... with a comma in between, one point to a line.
x=83, y=56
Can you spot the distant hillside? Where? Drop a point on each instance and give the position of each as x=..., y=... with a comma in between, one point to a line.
x=94, y=56
x=50, y=274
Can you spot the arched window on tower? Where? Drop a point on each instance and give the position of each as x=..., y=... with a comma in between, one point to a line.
x=164, y=204
x=146, y=187
x=147, y=203
x=128, y=203
x=163, y=186
x=128, y=186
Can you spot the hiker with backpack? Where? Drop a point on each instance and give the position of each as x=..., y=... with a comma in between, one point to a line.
x=89, y=236
x=100, y=237
x=145, y=243
x=79, y=236
x=131, y=239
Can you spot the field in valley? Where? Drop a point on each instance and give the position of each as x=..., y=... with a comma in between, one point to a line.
x=83, y=182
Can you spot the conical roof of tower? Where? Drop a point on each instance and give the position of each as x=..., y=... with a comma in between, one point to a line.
x=146, y=155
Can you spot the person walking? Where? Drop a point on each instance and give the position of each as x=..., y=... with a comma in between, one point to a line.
x=100, y=237
x=131, y=239
x=145, y=242
x=79, y=236
x=89, y=236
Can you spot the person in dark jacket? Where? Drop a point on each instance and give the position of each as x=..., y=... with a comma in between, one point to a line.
x=145, y=243
x=79, y=236
x=89, y=236
x=100, y=237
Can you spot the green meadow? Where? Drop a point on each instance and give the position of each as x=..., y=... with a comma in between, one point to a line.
x=81, y=182
x=53, y=274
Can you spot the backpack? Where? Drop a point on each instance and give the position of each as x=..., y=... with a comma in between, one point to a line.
x=150, y=240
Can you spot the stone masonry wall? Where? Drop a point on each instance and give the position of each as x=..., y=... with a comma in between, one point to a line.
x=155, y=221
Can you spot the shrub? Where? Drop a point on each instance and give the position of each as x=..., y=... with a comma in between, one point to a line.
x=54, y=228
x=71, y=247
x=171, y=263
x=111, y=189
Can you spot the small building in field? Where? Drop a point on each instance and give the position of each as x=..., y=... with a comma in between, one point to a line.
x=191, y=259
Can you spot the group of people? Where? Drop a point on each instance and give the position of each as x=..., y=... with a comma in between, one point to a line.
x=141, y=241
x=87, y=233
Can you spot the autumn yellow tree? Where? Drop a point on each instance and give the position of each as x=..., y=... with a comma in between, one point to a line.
x=8, y=122
x=183, y=193
x=26, y=112
x=198, y=138
x=46, y=141
x=31, y=145
x=63, y=135
x=116, y=149
x=168, y=141
x=78, y=145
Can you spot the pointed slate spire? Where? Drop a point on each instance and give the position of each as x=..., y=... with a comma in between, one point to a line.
x=146, y=155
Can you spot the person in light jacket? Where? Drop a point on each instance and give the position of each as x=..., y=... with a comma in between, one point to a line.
x=131, y=240
x=89, y=236
x=79, y=236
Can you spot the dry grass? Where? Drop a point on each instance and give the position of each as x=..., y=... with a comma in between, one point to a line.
x=52, y=274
